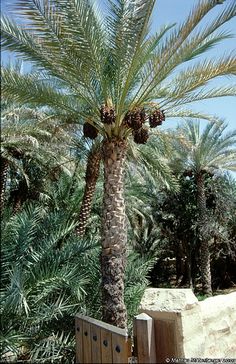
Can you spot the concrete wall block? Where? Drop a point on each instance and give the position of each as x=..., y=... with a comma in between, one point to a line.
x=205, y=329
x=168, y=300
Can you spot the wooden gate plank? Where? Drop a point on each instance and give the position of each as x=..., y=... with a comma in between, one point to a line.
x=121, y=348
x=96, y=344
x=87, y=343
x=106, y=346
x=166, y=343
x=79, y=340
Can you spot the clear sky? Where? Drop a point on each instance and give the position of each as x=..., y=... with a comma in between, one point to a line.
x=175, y=11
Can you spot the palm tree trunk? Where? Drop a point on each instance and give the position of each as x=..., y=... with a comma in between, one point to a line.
x=20, y=196
x=92, y=173
x=114, y=234
x=204, y=237
x=189, y=265
x=3, y=181
x=17, y=203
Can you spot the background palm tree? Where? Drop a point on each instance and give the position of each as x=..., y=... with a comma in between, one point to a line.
x=202, y=153
x=20, y=141
x=115, y=76
x=93, y=155
x=31, y=151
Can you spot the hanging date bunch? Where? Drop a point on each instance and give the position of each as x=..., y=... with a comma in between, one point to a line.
x=135, y=119
x=156, y=118
x=141, y=135
x=90, y=131
x=107, y=114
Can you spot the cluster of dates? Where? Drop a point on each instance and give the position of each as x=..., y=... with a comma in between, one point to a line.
x=134, y=120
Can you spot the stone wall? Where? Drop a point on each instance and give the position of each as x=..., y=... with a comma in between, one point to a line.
x=187, y=328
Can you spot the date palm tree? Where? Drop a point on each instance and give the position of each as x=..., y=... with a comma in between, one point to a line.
x=115, y=77
x=203, y=153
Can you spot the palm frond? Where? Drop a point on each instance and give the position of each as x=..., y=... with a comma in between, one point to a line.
x=127, y=23
x=179, y=112
x=156, y=168
x=29, y=89
x=48, y=40
x=84, y=28
x=17, y=39
x=180, y=46
x=202, y=94
x=198, y=75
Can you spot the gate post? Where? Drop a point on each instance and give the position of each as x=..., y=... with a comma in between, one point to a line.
x=144, y=339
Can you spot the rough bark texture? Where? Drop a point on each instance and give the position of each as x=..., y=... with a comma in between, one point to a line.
x=92, y=173
x=114, y=235
x=3, y=181
x=204, y=248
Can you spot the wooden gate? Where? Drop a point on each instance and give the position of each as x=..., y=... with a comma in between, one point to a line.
x=98, y=342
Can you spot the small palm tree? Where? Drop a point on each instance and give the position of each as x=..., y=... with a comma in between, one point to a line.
x=43, y=286
x=203, y=153
x=115, y=76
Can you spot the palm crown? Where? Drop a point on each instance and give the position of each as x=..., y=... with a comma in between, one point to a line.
x=108, y=68
x=205, y=150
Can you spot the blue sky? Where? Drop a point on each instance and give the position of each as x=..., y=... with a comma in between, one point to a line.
x=171, y=11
